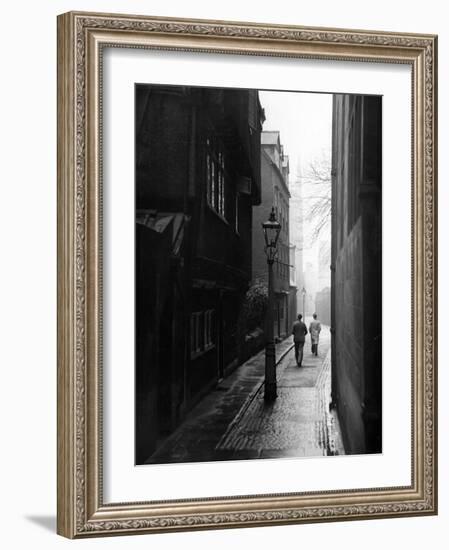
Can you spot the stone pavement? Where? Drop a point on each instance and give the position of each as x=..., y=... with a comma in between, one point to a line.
x=234, y=422
x=298, y=423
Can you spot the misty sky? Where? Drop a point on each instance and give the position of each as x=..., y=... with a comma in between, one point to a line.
x=304, y=121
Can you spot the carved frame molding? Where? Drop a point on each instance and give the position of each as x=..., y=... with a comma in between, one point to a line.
x=81, y=38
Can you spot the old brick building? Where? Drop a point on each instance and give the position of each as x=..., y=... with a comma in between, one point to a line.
x=197, y=179
x=275, y=192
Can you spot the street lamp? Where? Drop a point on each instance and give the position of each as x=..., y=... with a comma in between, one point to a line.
x=303, y=291
x=271, y=230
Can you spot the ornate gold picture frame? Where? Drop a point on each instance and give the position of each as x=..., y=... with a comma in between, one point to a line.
x=82, y=510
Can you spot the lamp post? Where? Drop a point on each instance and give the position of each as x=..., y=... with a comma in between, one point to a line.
x=271, y=230
x=303, y=291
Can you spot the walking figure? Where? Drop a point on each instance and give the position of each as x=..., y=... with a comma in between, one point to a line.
x=315, y=329
x=299, y=332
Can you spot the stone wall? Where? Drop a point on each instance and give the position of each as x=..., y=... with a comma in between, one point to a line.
x=356, y=271
x=349, y=339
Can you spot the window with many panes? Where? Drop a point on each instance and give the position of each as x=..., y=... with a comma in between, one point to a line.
x=195, y=333
x=215, y=175
x=201, y=331
x=208, y=328
x=237, y=198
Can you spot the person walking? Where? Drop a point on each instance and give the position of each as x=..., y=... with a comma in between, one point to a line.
x=299, y=332
x=315, y=329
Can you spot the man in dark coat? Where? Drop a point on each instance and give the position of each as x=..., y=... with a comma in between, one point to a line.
x=299, y=332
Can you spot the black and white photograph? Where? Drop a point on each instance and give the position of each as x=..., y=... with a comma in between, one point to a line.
x=258, y=274
x=223, y=322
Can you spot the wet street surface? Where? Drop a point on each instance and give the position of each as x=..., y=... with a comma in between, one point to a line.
x=234, y=422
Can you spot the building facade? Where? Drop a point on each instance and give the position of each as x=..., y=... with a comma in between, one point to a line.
x=323, y=305
x=310, y=280
x=297, y=227
x=356, y=271
x=323, y=294
x=275, y=193
x=197, y=180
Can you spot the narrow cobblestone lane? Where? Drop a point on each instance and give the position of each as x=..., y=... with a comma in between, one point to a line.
x=234, y=422
x=297, y=423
